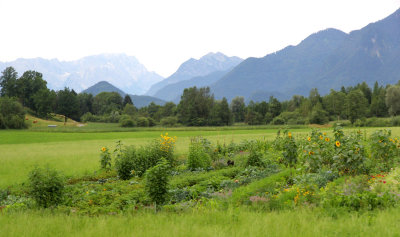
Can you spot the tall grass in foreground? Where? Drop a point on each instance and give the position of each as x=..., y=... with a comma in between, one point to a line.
x=233, y=222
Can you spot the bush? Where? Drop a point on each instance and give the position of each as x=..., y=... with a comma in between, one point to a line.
x=169, y=121
x=157, y=181
x=255, y=158
x=46, y=186
x=134, y=161
x=278, y=121
x=198, y=156
x=142, y=122
x=383, y=150
x=128, y=123
x=125, y=164
x=12, y=114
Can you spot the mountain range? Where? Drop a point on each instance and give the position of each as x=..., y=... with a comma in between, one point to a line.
x=207, y=64
x=119, y=69
x=138, y=100
x=325, y=60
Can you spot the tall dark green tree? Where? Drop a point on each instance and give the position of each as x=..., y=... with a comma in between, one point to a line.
x=238, y=108
x=356, y=105
x=127, y=100
x=67, y=104
x=393, y=100
x=195, y=106
x=8, y=82
x=275, y=107
x=378, y=106
x=44, y=102
x=27, y=85
x=107, y=102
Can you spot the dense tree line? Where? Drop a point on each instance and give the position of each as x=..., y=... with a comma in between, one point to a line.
x=197, y=107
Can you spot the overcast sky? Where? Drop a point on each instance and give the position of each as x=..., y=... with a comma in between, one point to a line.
x=162, y=34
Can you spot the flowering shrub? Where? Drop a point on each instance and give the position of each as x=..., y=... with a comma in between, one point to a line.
x=383, y=150
x=289, y=150
x=318, y=150
x=349, y=155
x=105, y=159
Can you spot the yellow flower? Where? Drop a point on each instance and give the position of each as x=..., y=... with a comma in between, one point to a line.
x=321, y=137
x=324, y=133
x=290, y=135
x=103, y=149
x=309, y=139
x=311, y=153
x=327, y=139
x=337, y=143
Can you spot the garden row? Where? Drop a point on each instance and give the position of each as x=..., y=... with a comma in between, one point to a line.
x=343, y=171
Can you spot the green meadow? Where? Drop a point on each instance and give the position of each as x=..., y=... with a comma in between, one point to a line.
x=77, y=153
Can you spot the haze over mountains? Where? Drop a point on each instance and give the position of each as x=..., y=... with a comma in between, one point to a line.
x=325, y=60
x=119, y=69
x=196, y=68
x=138, y=100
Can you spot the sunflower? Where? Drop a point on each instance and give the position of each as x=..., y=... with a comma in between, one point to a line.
x=327, y=139
x=311, y=153
x=321, y=137
x=289, y=135
x=309, y=139
x=103, y=149
x=337, y=143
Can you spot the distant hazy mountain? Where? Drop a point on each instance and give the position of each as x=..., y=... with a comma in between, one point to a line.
x=119, y=69
x=138, y=100
x=103, y=86
x=327, y=59
x=207, y=64
x=173, y=92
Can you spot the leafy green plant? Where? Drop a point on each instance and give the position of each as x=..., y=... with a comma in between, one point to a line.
x=255, y=158
x=383, y=150
x=46, y=186
x=289, y=150
x=157, y=181
x=198, y=156
x=125, y=164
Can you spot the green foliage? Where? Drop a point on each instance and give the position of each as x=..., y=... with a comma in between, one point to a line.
x=169, y=121
x=157, y=181
x=289, y=150
x=107, y=102
x=67, y=103
x=127, y=122
x=198, y=158
x=142, y=122
x=255, y=158
x=194, y=106
x=12, y=114
x=383, y=150
x=126, y=164
x=393, y=100
x=46, y=186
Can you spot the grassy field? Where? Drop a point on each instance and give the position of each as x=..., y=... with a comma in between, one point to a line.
x=75, y=151
x=236, y=222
